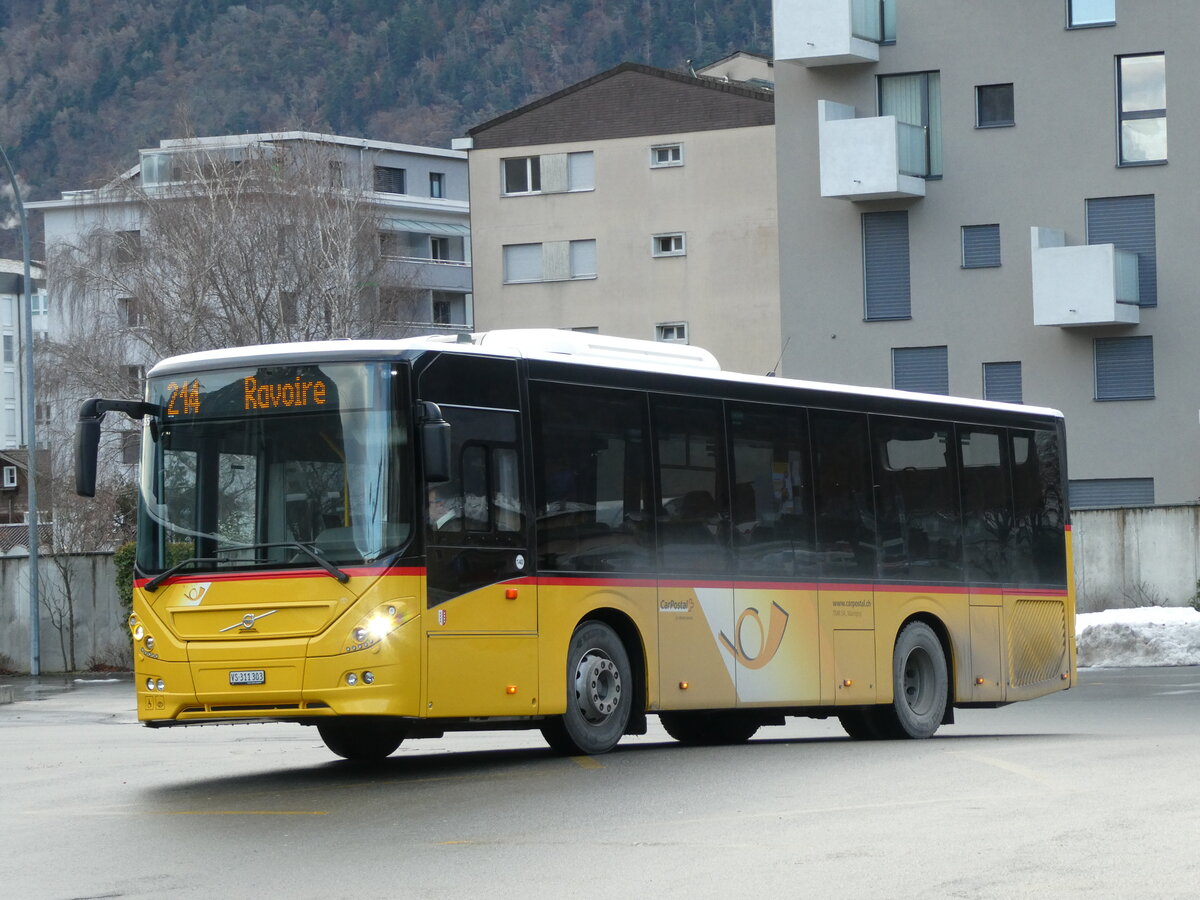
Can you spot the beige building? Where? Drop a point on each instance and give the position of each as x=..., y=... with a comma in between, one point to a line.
x=978, y=198
x=638, y=203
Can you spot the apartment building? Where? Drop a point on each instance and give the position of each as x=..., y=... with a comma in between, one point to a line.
x=420, y=194
x=639, y=203
x=12, y=372
x=979, y=198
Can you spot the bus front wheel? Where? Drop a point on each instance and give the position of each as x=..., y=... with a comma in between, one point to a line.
x=599, y=694
x=920, y=681
x=360, y=742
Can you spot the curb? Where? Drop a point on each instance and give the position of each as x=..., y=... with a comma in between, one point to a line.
x=6, y=693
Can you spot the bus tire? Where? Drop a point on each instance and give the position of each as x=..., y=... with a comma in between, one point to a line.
x=920, y=684
x=360, y=742
x=600, y=691
x=708, y=729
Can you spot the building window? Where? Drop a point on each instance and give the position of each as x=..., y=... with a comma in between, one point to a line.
x=994, y=105
x=666, y=155
x=9, y=348
x=980, y=246
x=1002, y=382
x=551, y=261
x=1124, y=368
x=1085, y=13
x=337, y=173
x=551, y=173
x=916, y=102
x=1128, y=224
x=389, y=180
x=924, y=369
x=40, y=304
x=672, y=332
x=395, y=304
x=1142, y=108
x=449, y=308
x=1098, y=493
x=131, y=447
x=130, y=310
x=885, y=266
x=522, y=175
x=668, y=245
x=128, y=247
x=135, y=380
x=437, y=184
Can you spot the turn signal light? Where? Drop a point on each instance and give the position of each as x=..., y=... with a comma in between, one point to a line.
x=981, y=681
x=510, y=689
x=683, y=685
x=847, y=683
x=510, y=594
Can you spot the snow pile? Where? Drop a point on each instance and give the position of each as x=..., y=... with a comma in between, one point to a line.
x=1150, y=636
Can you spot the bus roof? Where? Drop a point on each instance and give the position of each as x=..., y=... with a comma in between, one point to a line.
x=553, y=345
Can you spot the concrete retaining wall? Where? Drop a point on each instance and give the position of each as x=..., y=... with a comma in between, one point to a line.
x=100, y=633
x=1136, y=557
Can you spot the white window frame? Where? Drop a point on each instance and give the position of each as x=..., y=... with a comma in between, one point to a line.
x=673, y=159
x=529, y=162
x=678, y=244
x=10, y=477
x=671, y=332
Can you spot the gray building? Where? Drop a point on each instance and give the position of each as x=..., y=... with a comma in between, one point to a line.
x=977, y=198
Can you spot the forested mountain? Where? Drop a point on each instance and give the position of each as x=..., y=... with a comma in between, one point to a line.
x=84, y=83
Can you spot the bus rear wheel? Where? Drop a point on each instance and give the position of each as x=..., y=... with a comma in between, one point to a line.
x=599, y=694
x=360, y=742
x=920, y=683
x=708, y=729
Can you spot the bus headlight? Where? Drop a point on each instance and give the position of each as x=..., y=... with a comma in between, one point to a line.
x=149, y=684
x=149, y=642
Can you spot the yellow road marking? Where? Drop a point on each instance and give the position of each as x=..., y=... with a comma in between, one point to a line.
x=586, y=762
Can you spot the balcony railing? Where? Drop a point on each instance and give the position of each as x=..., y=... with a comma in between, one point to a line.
x=1092, y=284
x=829, y=32
x=873, y=158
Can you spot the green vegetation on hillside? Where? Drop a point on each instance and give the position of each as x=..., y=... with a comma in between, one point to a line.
x=84, y=83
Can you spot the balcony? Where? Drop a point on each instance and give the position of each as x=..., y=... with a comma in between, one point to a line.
x=875, y=158
x=831, y=32
x=1093, y=284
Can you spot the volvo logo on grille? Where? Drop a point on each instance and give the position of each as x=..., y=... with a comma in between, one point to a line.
x=248, y=621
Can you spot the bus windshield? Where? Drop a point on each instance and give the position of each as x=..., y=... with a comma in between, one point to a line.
x=280, y=466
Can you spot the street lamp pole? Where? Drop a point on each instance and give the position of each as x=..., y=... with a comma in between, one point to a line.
x=35, y=654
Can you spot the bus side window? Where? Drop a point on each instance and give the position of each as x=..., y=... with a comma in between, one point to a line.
x=844, y=503
x=590, y=479
x=693, y=518
x=916, y=500
x=1040, y=512
x=989, y=536
x=772, y=491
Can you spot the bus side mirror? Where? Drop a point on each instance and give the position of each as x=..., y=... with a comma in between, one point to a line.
x=435, y=442
x=87, y=442
x=87, y=435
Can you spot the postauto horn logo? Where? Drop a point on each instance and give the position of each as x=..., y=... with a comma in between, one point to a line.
x=769, y=638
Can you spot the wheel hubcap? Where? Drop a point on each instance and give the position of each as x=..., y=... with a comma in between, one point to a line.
x=597, y=686
x=918, y=682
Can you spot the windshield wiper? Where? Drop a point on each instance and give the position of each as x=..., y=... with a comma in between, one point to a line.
x=153, y=584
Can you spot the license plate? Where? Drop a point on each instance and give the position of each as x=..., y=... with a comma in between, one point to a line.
x=250, y=676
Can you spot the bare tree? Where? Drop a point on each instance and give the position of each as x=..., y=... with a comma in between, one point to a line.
x=264, y=243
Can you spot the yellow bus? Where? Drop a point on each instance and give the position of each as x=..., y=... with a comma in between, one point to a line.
x=569, y=532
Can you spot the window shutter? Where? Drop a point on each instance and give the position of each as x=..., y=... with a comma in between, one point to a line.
x=1128, y=224
x=922, y=369
x=1125, y=368
x=980, y=246
x=581, y=171
x=885, y=265
x=1110, y=492
x=522, y=262
x=1002, y=382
